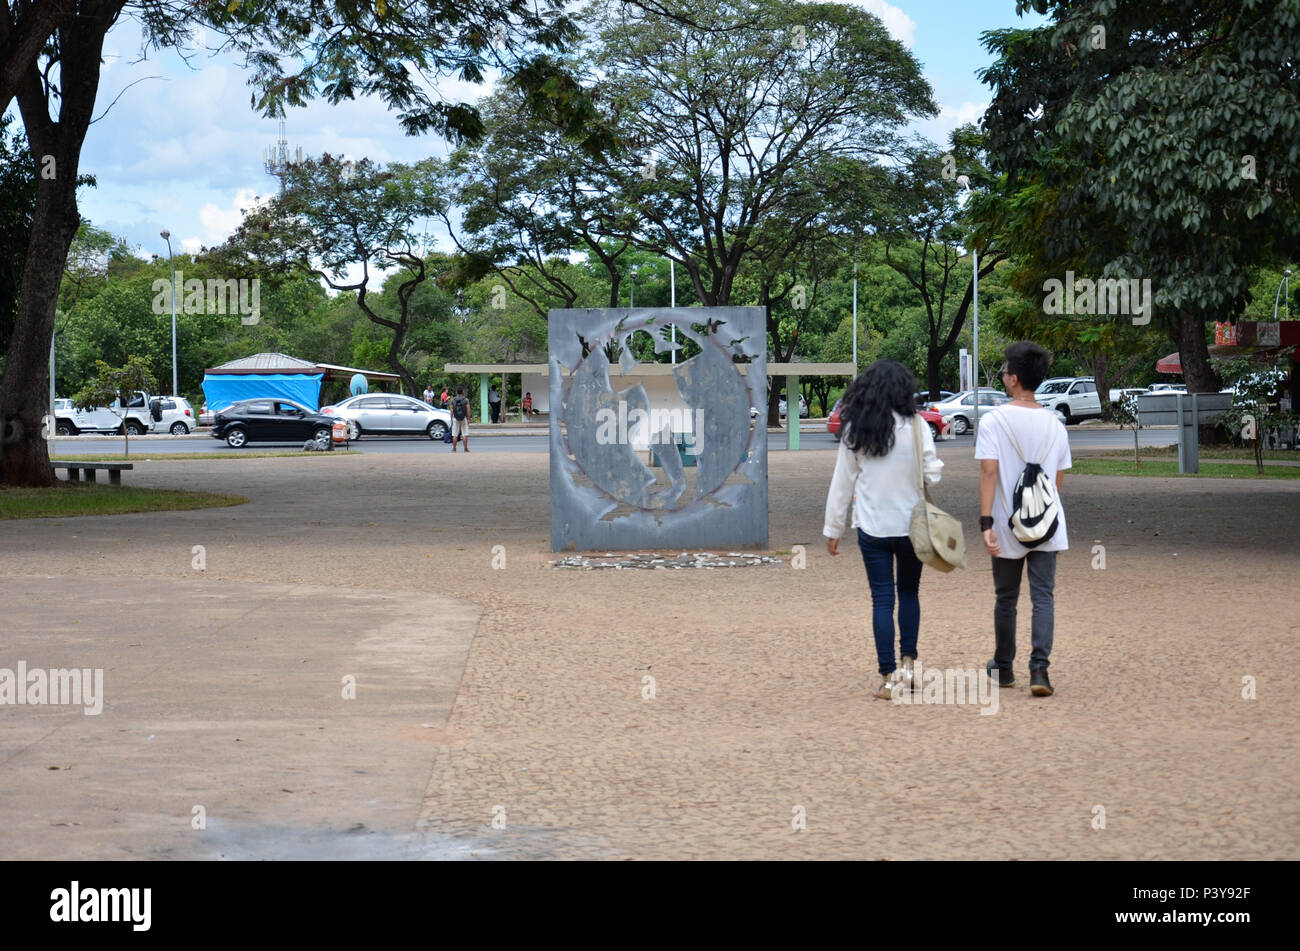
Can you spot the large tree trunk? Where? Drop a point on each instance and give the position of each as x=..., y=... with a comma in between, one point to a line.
x=1194, y=354
x=932, y=382
x=1101, y=376
x=24, y=391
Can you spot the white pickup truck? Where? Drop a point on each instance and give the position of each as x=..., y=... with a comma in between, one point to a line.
x=144, y=414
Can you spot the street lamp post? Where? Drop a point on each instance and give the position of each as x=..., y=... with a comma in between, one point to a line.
x=855, y=310
x=672, y=291
x=632, y=273
x=1286, y=279
x=167, y=236
x=964, y=182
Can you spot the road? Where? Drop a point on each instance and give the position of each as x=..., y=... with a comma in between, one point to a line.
x=1080, y=439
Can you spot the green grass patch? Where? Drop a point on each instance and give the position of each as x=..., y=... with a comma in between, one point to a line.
x=70, y=499
x=182, y=456
x=1162, y=467
x=1205, y=452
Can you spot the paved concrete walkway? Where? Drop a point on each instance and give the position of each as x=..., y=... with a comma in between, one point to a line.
x=501, y=707
x=224, y=707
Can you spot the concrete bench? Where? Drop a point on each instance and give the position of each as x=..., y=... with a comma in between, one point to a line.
x=114, y=470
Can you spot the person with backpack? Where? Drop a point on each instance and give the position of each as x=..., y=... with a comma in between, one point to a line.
x=460, y=418
x=876, y=472
x=1024, y=451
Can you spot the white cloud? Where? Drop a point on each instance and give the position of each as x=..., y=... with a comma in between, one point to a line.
x=900, y=26
x=938, y=128
x=966, y=112
x=218, y=222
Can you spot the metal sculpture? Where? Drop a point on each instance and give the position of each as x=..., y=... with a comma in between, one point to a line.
x=605, y=491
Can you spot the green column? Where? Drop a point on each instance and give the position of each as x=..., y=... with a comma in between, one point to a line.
x=792, y=412
x=482, y=398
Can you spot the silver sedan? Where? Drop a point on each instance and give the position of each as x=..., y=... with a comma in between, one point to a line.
x=388, y=414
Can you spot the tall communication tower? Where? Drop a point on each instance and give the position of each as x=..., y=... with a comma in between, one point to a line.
x=275, y=158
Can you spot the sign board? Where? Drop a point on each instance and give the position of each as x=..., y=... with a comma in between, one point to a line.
x=1187, y=411
x=1161, y=409
x=1225, y=334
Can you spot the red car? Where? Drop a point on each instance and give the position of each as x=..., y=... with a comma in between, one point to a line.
x=938, y=425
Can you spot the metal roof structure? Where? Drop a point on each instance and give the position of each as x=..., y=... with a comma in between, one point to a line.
x=283, y=363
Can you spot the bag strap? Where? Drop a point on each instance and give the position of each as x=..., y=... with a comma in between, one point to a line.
x=1011, y=434
x=1016, y=443
x=920, y=465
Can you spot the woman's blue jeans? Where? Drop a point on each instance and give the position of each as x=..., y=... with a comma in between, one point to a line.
x=879, y=556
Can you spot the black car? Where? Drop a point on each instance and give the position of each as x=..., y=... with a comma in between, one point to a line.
x=270, y=421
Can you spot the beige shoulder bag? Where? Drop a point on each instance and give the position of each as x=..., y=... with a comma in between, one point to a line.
x=936, y=536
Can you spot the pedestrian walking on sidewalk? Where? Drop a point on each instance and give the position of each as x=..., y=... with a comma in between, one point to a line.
x=875, y=473
x=460, y=418
x=1024, y=451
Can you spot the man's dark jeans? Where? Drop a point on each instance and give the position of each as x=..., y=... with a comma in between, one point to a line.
x=879, y=555
x=1006, y=585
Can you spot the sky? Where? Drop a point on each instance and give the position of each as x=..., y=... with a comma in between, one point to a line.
x=177, y=145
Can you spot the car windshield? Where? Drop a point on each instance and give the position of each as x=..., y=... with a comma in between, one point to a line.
x=1058, y=386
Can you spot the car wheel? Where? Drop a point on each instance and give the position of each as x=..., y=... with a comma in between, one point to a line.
x=322, y=436
x=236, y=438
x=1064, y=410
x=133, y=428
x=934, y=430
x=180, y=429
x=960, y=425
x=65, y=429
x=354, y=430
x=437, y=430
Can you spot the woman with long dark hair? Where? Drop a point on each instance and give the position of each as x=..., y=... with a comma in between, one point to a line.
x=876, y=471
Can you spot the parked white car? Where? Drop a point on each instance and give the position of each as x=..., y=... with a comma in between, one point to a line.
x=959, y=412
x=1074, y=397
x=177, y=417
x=390, y=414
x=1117, y=395
x=803, y=407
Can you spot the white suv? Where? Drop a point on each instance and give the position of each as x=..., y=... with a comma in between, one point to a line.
x=1074, y=397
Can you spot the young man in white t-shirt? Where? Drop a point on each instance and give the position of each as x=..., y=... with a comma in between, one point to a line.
x=1021, y=426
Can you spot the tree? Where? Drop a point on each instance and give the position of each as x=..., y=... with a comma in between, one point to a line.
x=114, y=387
x=1124, y=411
x=737, y=141
x=923, y=239
x=527, y=198
x=17, y=205
x=1162, y=137
x=1256, y=414
x=25, y=27
x=50, y=57
x=727, y=129
x=335, y=218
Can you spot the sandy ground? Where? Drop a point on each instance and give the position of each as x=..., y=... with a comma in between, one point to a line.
x=761, y=718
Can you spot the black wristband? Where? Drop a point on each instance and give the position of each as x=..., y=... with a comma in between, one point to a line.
x=986, y=522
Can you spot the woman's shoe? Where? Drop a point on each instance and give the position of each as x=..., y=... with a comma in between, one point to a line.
x=907, y=674
x=891, y=686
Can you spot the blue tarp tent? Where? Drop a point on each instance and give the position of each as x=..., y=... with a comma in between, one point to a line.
x=222, y=389
x=276, y=375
